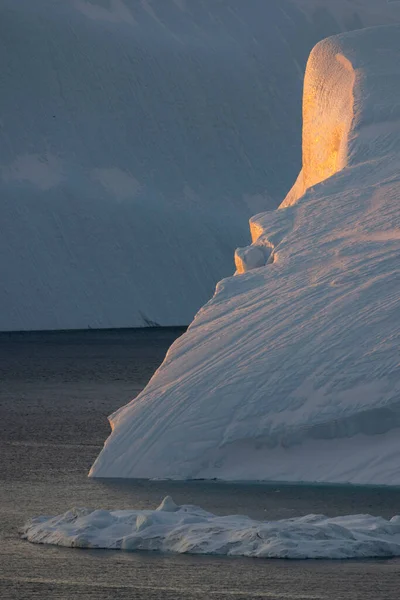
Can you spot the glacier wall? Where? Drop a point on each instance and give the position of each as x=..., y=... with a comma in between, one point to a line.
x=291, y=372
x=138, y=137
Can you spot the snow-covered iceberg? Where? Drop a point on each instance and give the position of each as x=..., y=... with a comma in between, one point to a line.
x=189, y=529
x=291, y=372
x=137, y=139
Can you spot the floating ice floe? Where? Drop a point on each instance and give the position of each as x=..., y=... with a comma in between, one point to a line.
x=189, y=529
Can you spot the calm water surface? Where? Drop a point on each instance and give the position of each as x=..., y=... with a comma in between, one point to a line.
x=56, y=391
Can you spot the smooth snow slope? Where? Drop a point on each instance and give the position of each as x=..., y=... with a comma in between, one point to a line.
x=189, y=529
x=137, y=138
x=291, y=371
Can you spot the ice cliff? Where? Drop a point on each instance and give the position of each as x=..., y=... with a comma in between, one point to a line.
x=137, y=138
x=291, y=371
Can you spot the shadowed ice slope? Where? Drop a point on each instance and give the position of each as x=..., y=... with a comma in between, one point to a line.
x=137, y=138
x=291, y=371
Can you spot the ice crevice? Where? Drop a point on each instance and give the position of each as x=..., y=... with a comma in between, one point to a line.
x=267, y=230
x=252, y=257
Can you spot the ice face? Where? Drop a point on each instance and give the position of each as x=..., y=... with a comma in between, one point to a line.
x=291, y=371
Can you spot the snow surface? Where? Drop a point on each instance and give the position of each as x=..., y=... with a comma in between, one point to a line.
x=138, y=137
x=291, y=372
x=189, y=529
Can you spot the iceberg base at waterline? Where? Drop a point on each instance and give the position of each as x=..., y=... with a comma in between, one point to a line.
x=189, y=529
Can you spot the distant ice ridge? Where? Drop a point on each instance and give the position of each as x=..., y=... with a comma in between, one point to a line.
x=189, y=529
x=137, y=139
x=291, y=372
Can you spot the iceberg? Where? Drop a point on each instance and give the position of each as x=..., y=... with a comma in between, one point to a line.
x=189, y=529
x=291, y=371
x=138, y=138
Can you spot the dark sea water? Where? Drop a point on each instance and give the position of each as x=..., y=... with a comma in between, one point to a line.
x=56, y=391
